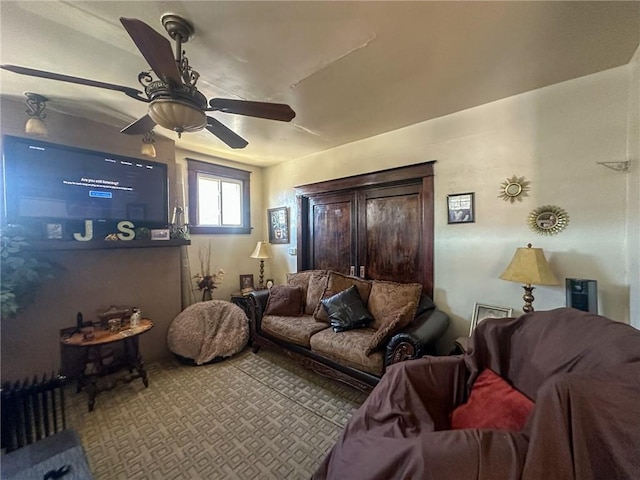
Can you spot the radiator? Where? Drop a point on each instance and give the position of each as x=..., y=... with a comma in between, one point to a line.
x=31, y=410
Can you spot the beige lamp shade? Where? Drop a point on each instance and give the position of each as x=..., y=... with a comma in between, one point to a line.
x=529, y=266
x=261, y=251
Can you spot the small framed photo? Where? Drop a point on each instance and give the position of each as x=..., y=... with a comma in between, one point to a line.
x=482, y=311
x=269, y=283
x=461, y=208
x=53, y=231
x=278, y=224
x=246, y=283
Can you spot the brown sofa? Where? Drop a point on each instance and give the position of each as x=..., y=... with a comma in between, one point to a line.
x=580, y=372
x=404, y=324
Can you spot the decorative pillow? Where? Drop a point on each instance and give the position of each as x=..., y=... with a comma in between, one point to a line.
x=386, y=331
x=285, y=301
x=337, y=283
x=387, y=299
x=492, y=404
x=346, y=310
x=317, y=285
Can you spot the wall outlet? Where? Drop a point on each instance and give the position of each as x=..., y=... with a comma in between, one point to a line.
x=293, y=251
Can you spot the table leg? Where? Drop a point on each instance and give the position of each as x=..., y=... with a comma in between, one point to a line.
x=134, y=359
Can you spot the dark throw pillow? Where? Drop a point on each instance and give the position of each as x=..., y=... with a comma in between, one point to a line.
x=492, y=404
x=346, y=310
x=285, y=301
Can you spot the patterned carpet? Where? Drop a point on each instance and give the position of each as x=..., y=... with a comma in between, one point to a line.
x=248, y=417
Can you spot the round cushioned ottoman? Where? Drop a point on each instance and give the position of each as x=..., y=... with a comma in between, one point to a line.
x=205, y=331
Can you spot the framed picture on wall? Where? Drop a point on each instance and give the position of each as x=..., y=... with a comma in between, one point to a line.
x=278, y=225
x=460, y=208
x=482, y=311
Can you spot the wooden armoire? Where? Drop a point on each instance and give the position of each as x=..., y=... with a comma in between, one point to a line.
x=376, y=225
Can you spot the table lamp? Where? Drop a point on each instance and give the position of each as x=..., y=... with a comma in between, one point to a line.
x=261, y=252
x=529, y=266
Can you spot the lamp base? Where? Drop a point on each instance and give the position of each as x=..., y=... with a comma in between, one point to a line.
x=528, y=298
x=261, y=278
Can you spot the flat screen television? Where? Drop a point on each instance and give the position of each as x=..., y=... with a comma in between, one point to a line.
x=46, y=182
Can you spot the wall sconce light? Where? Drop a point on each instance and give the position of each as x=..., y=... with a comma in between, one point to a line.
x=35, y=110
x=148, y=149
x=529, y=266
x=261, y=252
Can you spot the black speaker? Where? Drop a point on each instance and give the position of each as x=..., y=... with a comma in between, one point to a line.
x=582, y=294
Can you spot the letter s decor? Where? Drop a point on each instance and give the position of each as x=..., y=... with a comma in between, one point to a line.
x=126, y=227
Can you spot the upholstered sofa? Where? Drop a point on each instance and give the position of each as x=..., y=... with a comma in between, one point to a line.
x=562, y=404
x=346, y=327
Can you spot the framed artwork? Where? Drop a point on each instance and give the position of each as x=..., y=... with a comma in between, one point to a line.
x=269, y=283
x=278, y=225
x=54, y=231
x=460, y=208
x=482, y=311
x=246, y=282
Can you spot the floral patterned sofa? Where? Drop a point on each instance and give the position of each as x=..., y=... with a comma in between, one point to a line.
x=346, y=327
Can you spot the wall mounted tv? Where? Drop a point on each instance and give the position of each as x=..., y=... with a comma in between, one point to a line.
x=45, y=182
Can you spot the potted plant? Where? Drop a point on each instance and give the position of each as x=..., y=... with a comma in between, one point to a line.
x=21, y=271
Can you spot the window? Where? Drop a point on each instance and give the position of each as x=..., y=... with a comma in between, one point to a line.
x=218, y=199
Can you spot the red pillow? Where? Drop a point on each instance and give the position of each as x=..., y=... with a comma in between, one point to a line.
x=492, y=404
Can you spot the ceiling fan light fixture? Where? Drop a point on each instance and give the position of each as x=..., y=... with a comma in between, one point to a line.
x=35, y=110
x=177, y=115
x=148, y=149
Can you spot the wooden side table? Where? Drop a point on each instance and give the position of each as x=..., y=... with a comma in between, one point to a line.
x=93, y=362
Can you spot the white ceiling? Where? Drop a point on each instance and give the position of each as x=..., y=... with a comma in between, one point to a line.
x=350, y=70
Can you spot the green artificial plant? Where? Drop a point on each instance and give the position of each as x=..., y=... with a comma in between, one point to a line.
x=21, y=271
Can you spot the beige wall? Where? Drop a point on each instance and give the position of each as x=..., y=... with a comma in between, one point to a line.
x=93, y=280
x=553, y=137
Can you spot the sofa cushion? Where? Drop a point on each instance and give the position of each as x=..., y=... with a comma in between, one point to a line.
x=492, y=404
x=337, y=283
x=317, y=285
x=386, y=331
x=296, y=330
x=348, y=348
x=285, y=300
x=346, y=310
x=387, y=299
x=303, y=279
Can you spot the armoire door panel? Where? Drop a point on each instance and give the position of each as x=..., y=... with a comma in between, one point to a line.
x=392, y=227
x=332, y=239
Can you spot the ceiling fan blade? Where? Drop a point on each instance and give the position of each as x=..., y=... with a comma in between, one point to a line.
x=131, y=92
x=140, y=126
x=271, y=111
x=228, y=136
x=155, y=48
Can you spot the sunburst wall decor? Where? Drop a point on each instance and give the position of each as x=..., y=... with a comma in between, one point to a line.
x=548, y=220
x=514, y=188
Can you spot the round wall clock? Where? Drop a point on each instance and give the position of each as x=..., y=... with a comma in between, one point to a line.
x=548, y=220
x=513, y=189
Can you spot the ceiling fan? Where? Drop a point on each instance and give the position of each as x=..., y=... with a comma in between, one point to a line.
x=174, y=101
